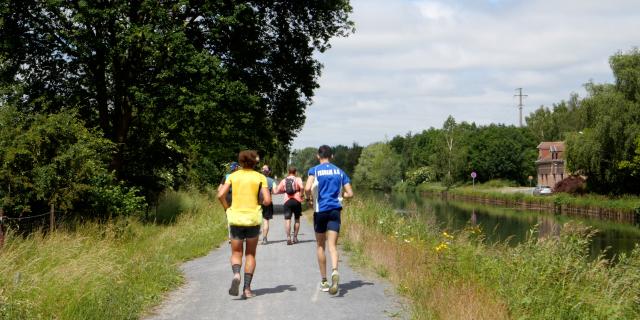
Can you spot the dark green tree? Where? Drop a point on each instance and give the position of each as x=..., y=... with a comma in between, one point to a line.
x=304, y=159
x=502, y=152
x=178, y=86
x=346, y=157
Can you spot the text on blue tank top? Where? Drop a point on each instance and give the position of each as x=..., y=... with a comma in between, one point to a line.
x=330, y=181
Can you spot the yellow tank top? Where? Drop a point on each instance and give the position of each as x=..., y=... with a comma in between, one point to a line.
x=245, y=210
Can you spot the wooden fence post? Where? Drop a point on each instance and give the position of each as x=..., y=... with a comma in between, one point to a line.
x=52, y=218
x=1, y=227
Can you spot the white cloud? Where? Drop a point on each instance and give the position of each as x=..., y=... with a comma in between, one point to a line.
x=410, y=64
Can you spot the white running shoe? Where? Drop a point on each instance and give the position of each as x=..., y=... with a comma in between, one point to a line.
x=324, y=286
x=335, y=278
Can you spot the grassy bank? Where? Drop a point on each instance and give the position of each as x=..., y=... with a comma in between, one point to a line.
x=456, y=276
x=623, y=203
x=115, y=270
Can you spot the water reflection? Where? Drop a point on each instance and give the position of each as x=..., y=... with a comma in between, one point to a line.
x=513, y=226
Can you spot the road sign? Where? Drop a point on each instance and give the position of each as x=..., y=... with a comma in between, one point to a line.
x=473, y=176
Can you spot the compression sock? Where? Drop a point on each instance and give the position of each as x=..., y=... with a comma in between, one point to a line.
x=247, y=280
x=236, y=268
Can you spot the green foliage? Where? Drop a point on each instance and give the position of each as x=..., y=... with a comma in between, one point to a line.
x=378, y=168
x=420, y=175
x=179, y=87
x=453, y=152
x=552, y=125
x=609, y=140
x=346, y=158
x=633, y=165
x=55, y=159
x=304, y=159
x=502, y=152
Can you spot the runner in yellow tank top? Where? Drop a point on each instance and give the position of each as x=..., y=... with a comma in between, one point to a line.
x=244, y=217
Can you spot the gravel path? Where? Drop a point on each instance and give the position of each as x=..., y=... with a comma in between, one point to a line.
x=286, y=284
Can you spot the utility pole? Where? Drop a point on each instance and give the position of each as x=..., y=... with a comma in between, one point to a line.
x=520, y=95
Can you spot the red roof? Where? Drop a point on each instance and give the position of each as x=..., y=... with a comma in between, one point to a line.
x=555, y=145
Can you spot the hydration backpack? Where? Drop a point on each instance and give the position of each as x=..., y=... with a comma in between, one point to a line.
x=290, y=186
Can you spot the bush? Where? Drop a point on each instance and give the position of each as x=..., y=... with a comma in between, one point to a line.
x=571, y=184
x=420, y=175
x=55, y=160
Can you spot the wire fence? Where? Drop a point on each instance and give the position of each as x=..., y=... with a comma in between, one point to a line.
x=2, y=218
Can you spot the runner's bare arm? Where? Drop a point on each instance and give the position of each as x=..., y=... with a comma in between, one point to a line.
x=348, y=191
x=266, y=196
x=308, y=186
x=222, y=195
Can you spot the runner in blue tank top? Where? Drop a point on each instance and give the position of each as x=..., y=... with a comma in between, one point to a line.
x=327, y=185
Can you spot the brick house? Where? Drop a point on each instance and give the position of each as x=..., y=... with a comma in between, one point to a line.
x=550, y=164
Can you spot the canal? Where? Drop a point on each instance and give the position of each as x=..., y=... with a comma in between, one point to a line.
x=513, y=226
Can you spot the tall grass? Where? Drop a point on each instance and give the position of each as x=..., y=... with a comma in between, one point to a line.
x=115, y=270
x=457, y=276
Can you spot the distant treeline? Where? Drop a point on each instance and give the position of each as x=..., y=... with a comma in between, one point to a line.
x=103, y=105
x=601, y=131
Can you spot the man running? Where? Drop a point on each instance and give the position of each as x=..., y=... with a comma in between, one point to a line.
x=267, y=211
x=292, y=187
x=325, y=186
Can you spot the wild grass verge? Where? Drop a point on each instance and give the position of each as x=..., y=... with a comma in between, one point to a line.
x=113, y=270
x=457, y=276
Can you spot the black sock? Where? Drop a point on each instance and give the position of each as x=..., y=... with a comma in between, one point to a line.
x=247, y=280
x=236, y=268
x=324, y=279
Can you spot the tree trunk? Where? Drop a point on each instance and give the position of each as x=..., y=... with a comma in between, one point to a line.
x=1, y=227
x=52, y=218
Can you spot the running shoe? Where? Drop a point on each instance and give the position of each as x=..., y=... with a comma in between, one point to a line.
x=235, y=287
x=264, y=240
x=335, y=278
x=324, y=286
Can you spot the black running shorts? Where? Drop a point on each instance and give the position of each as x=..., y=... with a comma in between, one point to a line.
x=267, y=212
x=326, y=220
x=242, y=233
x=292, y=207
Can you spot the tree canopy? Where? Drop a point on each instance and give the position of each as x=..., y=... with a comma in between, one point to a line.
x=178, y=87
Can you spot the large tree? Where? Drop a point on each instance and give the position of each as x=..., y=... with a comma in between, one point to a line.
x=178, y=85
x=379, y=167
x=610, y=116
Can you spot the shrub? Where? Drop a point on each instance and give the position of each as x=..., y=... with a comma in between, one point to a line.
x=55, y=160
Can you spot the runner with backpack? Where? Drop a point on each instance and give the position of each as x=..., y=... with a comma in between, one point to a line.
x=292, y=187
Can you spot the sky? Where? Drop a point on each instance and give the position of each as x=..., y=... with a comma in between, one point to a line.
x=411, y=64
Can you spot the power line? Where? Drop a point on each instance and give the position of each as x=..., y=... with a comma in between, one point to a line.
x=520, y=95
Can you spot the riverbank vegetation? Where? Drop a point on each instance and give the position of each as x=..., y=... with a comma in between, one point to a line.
x=451, y=275
x=112, y=270
x=625, y=203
